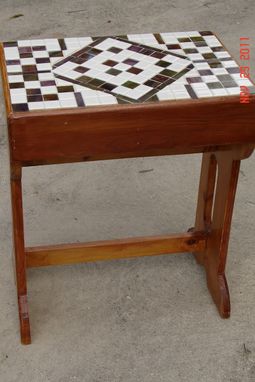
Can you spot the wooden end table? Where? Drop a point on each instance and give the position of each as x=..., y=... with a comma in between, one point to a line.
x=83, y=99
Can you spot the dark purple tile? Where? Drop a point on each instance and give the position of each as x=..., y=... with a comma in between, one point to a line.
x=205, y=72
x=42, y=60
x=20, y=107
x=233, y=70
x=48, y=83
x=135, y=48
x=13, y=62
x=193, y=80
x=25, y=49
x=35, y=98
x=79, y=99
x=39, y=48
x=130, y=61
x=191, y=91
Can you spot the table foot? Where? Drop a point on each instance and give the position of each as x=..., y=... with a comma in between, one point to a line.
x=24, y=320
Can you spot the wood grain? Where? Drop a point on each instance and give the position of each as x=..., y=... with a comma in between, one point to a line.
x=114, y=249
x=20, y=259
x=119, y=131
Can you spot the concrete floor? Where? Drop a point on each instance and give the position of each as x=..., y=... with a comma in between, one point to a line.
x=142, y=320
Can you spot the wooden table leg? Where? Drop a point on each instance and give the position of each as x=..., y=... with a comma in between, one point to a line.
x=20, y=261
x=205, y=197
x=214, y=213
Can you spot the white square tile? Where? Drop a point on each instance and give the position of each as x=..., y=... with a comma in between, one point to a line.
x=11, y=53
x=49, y=89
x=51, y=104
x=36, y=105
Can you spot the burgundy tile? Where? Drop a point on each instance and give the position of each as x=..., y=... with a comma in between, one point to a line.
x=16, y=85
x=81, y=69
x=29, y=68
x=135, y=48
x=134, y=70
x=110, y=63
x=173, y=46
x=33, y=91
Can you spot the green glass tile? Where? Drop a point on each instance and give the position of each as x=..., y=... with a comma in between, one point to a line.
x=96, y=82
x=162, y=63
x=215, y=64
x=84, y=79
x=113, y=49
x=184, y=39
x=168, y=73
x=214, y=85
x=197, y=39
x=191, y=50
x=208, y=56
x=130, y=84
x=113, y=72
x=180, y=74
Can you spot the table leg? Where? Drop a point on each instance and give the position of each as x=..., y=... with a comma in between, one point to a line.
x=205, y=197
x=214, y=214
x=20, y=261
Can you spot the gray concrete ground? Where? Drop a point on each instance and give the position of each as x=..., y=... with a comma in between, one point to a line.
x=142, y=320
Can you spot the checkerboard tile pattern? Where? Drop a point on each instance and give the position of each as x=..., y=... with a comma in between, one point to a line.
x=131, y=71
x=78, y=72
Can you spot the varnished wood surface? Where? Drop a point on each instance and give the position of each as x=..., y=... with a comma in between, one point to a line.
x=20, y=259
x=115, y=249
x=214, y=214
x=130, y=131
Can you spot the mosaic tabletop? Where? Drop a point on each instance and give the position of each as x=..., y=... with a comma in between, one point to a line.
x=92, y=71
